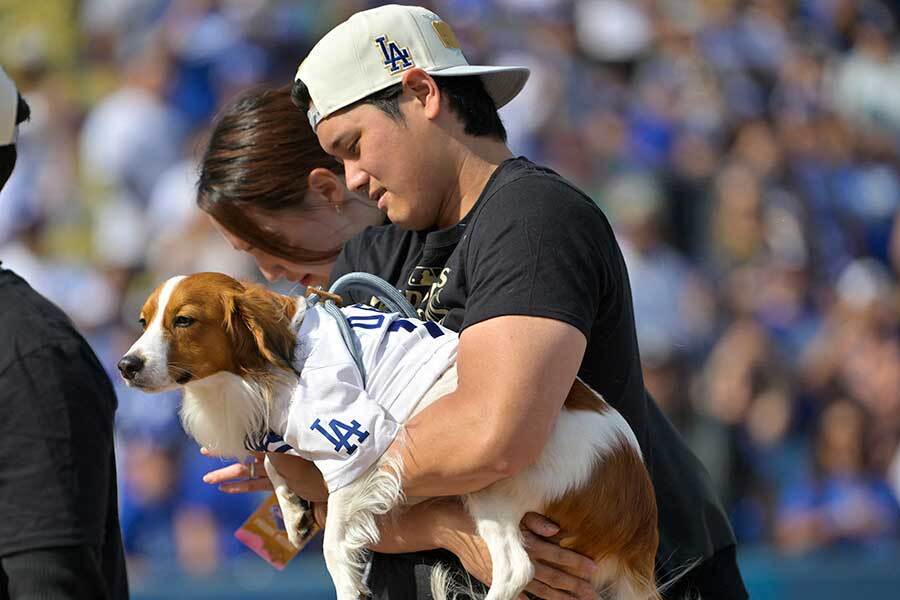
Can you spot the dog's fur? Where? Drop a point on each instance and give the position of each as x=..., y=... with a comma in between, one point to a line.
x=230, y=346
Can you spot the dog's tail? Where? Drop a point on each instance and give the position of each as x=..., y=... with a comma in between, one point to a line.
x=622, y=583
x=626, y=579
x=633, y=585
x=638, y=584
x=444, y=586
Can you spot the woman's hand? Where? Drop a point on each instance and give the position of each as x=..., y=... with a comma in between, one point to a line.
x=237, y=478
x=301, y=475
x=558, y=573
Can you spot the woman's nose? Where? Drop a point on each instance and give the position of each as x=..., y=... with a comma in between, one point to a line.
x=271, y=272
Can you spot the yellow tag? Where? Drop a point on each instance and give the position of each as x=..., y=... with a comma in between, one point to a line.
x=445, y=33
x=264, y=533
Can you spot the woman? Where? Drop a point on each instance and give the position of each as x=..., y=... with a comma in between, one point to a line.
x=274, y=193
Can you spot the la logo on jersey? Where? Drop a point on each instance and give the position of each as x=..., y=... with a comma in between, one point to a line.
x=396, y=59
x=341, y=433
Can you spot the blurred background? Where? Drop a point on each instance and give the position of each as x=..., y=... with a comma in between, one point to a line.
x=745, y=151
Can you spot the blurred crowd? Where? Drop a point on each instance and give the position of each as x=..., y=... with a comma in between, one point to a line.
x=746, y=151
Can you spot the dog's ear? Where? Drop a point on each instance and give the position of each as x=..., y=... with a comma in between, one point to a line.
x=259, y=322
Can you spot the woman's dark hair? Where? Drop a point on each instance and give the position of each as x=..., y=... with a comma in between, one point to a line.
x=468, y=99
x=259, y=155
x=8, y=152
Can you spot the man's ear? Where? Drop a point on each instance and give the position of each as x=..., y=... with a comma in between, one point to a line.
x=425, y=91
x=258, y=322
x=327, y=184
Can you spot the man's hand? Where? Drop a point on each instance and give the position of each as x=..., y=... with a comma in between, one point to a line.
x=558, y=573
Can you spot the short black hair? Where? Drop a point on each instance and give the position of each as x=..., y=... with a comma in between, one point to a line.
x=386, y=99
x=471, y=103
x=467, y=96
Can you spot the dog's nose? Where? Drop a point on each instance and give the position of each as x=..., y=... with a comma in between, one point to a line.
x=130, y=365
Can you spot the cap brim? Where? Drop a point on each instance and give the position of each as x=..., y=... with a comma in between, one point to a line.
x=501, y=83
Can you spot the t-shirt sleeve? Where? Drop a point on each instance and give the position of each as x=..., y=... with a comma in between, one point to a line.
x=538, y=248
x=56, y=445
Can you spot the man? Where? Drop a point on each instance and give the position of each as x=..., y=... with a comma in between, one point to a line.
x=514, y=257
x=59, y=524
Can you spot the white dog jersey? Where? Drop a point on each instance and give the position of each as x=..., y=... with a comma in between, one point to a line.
x=335, y=421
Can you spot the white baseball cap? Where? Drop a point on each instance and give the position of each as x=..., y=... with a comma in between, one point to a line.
x=370, y=51
x=9, y=104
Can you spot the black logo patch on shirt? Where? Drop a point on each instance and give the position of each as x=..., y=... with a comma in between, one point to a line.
x=423, y=290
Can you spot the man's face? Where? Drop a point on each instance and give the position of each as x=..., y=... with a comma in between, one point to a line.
x=390, y=161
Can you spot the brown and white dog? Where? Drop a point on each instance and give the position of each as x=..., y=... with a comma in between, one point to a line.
x=230, y=346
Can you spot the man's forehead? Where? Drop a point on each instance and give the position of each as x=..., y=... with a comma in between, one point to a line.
x=335, y=129
x=347, y=122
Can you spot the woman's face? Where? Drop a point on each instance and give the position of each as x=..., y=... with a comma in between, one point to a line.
x=312, y=233
x=329, y=217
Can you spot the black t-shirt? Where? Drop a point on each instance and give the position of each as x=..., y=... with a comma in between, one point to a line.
x=535, y=245
x=57, y=464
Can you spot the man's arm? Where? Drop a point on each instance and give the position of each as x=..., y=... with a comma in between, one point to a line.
x=436, y=523
x=514, y=375
x=444, y=523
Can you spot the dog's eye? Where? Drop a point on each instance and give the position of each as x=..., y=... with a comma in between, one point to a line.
x=143, y=322
x=183, y=321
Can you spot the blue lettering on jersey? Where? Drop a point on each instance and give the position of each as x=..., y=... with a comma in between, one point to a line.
x=434, y=329
x=376, y=320
x=366, y=321
x=402, y=324
x=341, y=433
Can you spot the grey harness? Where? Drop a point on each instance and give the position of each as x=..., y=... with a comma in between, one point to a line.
x=370, y=284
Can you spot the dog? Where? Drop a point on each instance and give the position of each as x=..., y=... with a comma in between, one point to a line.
x=250, y=361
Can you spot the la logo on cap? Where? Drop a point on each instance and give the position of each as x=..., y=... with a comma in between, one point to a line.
x=396, y=59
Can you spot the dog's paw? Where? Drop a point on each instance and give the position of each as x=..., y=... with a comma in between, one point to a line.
x=298, y=518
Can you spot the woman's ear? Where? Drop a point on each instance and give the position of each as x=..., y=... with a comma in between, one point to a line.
x=328, y=185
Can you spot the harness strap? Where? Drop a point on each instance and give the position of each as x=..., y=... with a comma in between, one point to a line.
x=367, y=283
x=378, y=287
x=350, y=339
